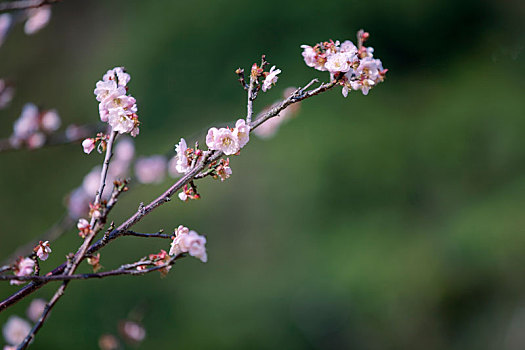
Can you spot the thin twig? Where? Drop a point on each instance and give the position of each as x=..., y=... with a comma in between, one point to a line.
x=159, y=234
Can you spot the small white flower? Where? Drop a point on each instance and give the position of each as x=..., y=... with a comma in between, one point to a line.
x=242, y=131
x=43, y=250
x=190, y=242
x=88, y=145
x=121, y=121
x=222, y=140
x=183, y=196
x=15, y=330
x=122, y=77
x=104, y=88
x=271, y=79
x=182, y=166
x=23, y=267
x=338, y=62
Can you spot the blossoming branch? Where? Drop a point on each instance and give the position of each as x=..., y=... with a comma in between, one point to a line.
x=351, y=66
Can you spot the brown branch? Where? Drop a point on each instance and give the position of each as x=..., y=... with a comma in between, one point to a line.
x=299, y=95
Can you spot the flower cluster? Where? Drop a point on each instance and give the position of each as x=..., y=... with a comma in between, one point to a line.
x=353, y=66
x=42, y=250
x=228, y=140
x=117, y=108
x=33, y=126
x=23, y=267
x=186, y=241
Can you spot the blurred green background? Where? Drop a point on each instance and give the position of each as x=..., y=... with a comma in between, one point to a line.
x=388, y=221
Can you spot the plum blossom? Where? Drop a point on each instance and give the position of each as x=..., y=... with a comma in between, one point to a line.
x=23, y=267
x=88, y=145
x=183, y=196
x=5, y=23
x=223, y=170
x=339, y=62
x=190, y=242
x=242, y=131
x=50, y=121
x=222, y=139
x=121, y=75
x=37, y=19
x=36, y=309
x=362, y=71
x=84, y=228
x=132, y=331
x=271, y=79
x=183, y=165
x=27, y=123
x=150, y=169
x=42, y=250
x=121, y=121
x=7, y=91
x=15, y=330
x=116, y=107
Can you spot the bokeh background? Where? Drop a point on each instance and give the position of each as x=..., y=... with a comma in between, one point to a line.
x=388, y=221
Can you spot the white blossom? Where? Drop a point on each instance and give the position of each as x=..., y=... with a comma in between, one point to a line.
x=15, y=330
x=271, y=79
x=182, y=165
x=223, y=140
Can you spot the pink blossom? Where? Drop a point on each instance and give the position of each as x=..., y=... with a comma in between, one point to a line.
x=182, y=162
x=133, y=331
x=88, y=145
x=150, y=169
x=50, y=120
x=189, y=241
x=339, y=62
x=84, y=227
x=310, y=58
x=122, y=77
x=6, y=91
x=38, y=19
x=348, y=46
x=242, y=131
x=36, y=140
x=183, y=196
x=271, y=79
x=121, y=121
x=42, y=250
x=27, y=123
x=35, y=309
x=118, y=99
x=222, y=140
x=223, y=170
x=5, y=23
x=15, y=330
x=23, y=267
x=104, y=88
